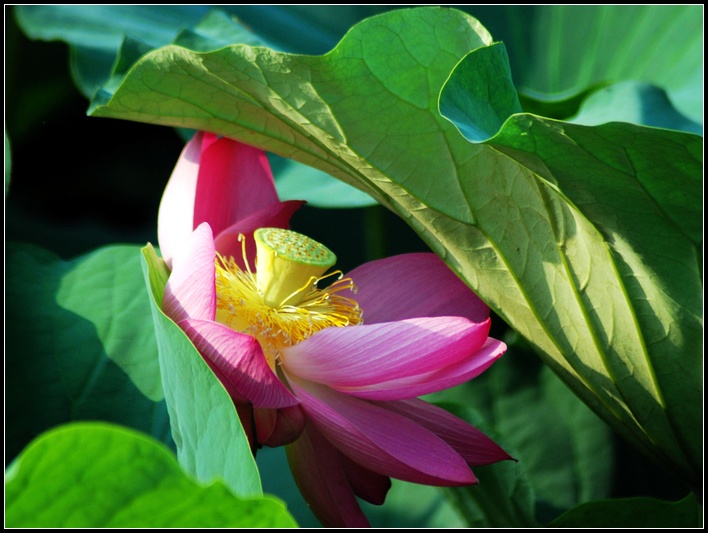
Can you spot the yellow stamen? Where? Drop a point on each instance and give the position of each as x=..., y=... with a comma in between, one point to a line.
x=281, y=305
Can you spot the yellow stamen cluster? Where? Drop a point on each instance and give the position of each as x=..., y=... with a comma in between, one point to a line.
x=280, y=304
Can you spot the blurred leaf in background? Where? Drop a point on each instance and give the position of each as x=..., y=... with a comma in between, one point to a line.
x=8, y=164
x=79, y=344
x=635, y=512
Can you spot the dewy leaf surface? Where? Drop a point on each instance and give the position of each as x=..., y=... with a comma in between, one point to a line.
x=211, y=443
x=120, y=479
x=79, y=343
x=583, y=239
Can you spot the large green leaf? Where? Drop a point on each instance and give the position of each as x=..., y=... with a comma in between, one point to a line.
x=614, y=226
x=79, y=343
x=584, y=239
x=120, y=479
x=211, y=443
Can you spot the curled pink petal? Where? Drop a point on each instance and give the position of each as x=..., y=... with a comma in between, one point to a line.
x=175, y=220
x=239, y=399
x=273, y=216
x=319, y=475
x=473, y=446
x=380, y=440
x=368, y=485
x=264, y=420
x=359, y=356
x=234, y=182
x=278, y=427
x=429, y=382
x=412, y=286
x=190, y=291
x=241, y=361
x=245, y=415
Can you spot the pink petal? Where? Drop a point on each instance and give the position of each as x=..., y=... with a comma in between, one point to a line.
x=427, y=383
x=239, y=399
x=317, y=470
x=472, y=445
x=245, y=415
x=380, y=440
x=265, y=420
x=275, y=215
x=190, y=291
x=234, y=182
x=359, y=356
x=411, y=286
x=240, y=359
x=368, y=485
x=278, y=427
x=175, y=220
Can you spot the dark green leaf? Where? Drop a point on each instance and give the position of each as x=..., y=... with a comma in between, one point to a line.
x=79, y=343
x=8, y=164
x=120, y=479
x=211, y=443
x=634, y=513
x=502, y=498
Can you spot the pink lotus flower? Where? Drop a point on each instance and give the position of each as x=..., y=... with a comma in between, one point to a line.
x=334, y=373
x=227, y=184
